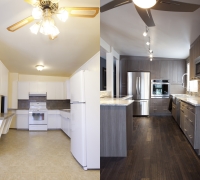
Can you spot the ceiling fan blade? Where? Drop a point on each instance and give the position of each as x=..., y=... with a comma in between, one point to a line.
x=86, y=12
x=176, y=6
x=114, y=4
x=20, y=24
x=146, y=16
x=32, y=2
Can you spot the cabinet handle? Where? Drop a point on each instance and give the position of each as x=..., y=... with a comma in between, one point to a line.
x=185, y=130
x=182, y=110
x=154, y=109
x=190, y=136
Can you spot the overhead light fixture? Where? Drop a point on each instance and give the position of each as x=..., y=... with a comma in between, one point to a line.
x=148, y=42
x=37, y=13
x=151, y=55
x=39, y=67
x=146, y=32
x=151, y=59
x=145, y=4
x=62, y=14
x=150, y=50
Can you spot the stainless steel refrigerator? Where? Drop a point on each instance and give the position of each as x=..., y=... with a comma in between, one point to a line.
x=139, y=86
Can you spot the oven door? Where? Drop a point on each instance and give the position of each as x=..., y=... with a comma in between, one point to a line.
x=37, y=117
x=160, y=90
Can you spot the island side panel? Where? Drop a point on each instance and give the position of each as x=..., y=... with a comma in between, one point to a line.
x=113, y=131
x=129, y=124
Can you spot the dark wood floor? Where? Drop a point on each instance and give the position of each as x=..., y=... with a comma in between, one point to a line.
x=159, y=151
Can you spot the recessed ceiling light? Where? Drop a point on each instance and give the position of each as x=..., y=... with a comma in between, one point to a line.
x=39, y=67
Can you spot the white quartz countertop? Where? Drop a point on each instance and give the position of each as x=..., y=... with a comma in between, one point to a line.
x=116, y=101
x=195, y=101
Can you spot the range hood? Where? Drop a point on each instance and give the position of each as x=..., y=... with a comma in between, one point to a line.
x=37, y=94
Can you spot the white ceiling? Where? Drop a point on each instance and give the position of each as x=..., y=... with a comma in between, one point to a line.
x=122, y=28
x=21, y=50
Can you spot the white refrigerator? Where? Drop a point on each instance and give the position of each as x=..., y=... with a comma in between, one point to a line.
x=85, y=119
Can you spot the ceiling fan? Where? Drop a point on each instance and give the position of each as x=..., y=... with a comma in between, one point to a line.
x=43, y=10
x=144, y=7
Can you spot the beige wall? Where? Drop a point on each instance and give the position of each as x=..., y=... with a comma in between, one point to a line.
x=24, y=77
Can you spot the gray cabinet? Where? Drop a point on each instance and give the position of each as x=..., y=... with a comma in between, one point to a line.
x=123, y=77
x=190, y=125
x=159, y=106
x=132, y=65
x=155, y=69
x=164, y=70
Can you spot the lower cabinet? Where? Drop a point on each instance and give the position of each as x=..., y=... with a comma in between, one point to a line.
x=22, y=119
x=189, y=123
x=54, y=119
x=159, y=106
x=65, y=122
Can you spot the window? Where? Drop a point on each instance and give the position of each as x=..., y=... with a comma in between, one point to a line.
x=191, y=85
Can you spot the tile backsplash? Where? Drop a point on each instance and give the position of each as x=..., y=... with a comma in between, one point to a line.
x=197, y=94
x=51, y=104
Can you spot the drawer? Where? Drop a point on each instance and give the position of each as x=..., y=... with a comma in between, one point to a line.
x=191, y=108
x=156, y=102
x=183, y=105
x=189, y=130
x=165, y=101
x=155, y=110
x=165, y=110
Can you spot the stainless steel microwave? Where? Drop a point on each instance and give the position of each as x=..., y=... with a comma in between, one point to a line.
x=197, y=67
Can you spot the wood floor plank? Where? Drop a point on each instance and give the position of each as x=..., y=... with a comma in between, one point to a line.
x=158, y=151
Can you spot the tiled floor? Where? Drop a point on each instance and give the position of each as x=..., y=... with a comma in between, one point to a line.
x=28, y=155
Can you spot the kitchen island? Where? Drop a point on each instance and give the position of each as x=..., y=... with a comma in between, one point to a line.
x=5, y=121
x=115, y=126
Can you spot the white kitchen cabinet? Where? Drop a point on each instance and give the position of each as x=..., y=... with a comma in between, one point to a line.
x=37, y=88
x=14, y=98
x=41, y=87
x=4, y=81
x=67, y=89
x=51, y=90
x=22, y=119
x=54, y=119
x=66, y=124
x=23, y=90
x=59, y=90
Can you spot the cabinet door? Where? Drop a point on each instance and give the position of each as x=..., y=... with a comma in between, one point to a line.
x=132, y=65
x=41, y=87
x=59, y=90
x=155, y=69
x=164, y=69
x=23, y=90
x=33, y=87
x=69, y=127
x=123, y=77
x=182, y=116
x=192, y=65
x=4, y=80
x=51, y=90
x=22, y=121
x=144, y=65
x=68, y=89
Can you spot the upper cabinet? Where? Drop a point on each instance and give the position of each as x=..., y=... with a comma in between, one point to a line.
x=38, y=88
x=194, y=53
x=23, y=90
x=54, y=90
x=67, y=89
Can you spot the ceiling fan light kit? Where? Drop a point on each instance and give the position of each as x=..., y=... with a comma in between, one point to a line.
x=44, y=10
x=145, y=4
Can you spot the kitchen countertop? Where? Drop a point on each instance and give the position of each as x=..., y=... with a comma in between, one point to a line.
x=195, y=101
x=66, y=110
x=116, y=101
x=5, y=115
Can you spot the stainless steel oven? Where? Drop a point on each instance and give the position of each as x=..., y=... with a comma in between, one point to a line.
x=37, y=116
x=160, y=88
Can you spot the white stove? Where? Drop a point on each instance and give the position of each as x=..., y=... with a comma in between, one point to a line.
x=38, y=116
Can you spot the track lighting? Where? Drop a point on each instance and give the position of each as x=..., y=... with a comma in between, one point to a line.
x=148, y=42
x=151, y=59
x=146, y=32
x=151, y=55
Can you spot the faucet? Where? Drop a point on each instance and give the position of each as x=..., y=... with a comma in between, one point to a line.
x=182, y=80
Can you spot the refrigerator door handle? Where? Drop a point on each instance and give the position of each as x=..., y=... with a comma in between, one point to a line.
x=139, y=86
x=136, y=85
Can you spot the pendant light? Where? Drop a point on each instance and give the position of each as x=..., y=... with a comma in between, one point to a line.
x=145, y=4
